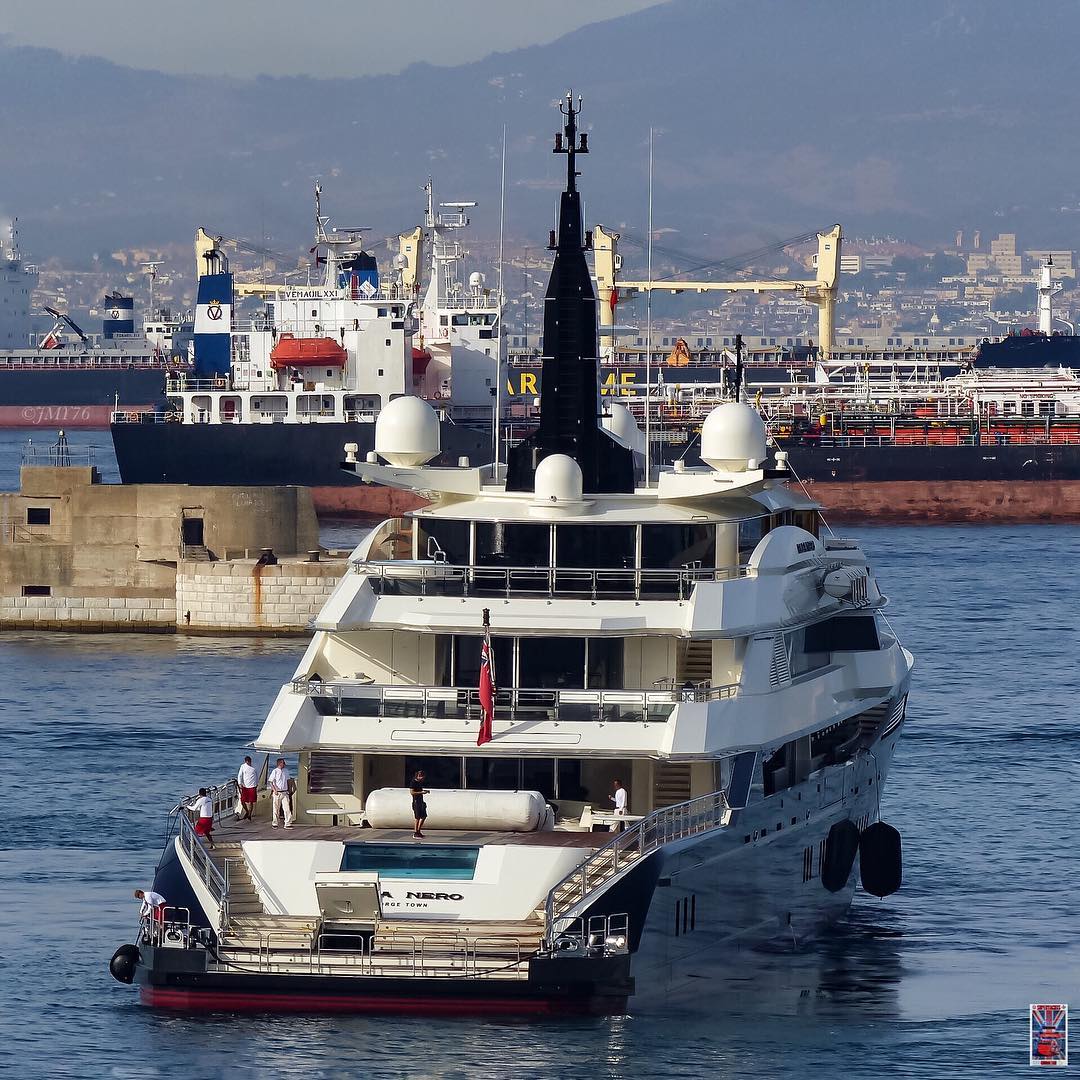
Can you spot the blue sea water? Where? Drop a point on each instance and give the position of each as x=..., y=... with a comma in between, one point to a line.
x=102, y=732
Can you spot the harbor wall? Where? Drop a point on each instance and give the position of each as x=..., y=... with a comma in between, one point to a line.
x=76, y=554
x=244, y=597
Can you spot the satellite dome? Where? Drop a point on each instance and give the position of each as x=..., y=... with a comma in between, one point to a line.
x=733, y=438
x=476, y=280
x=620, y=424
x=558, y=480
x=407, y=432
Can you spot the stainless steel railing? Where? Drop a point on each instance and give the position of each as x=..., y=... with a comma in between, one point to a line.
x=461, y=702
x=672, y=823
x=406, y=578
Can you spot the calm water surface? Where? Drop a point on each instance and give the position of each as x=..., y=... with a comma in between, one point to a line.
x=102, y=732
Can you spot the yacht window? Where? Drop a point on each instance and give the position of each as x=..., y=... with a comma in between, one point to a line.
x=751, y=533
x=467, y=660
x=439, y=772
x=538, y=774
x=669, y=547
x=605, y=663
x=492, y=774
x=595, y=546
x=451, y=537
x=439, y=862
x=551, y=663
x=330, y=773
x=806, y=655
x=851, y=633
x=569, y=776
x=499, y=544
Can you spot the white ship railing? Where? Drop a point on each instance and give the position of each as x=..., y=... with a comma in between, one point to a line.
x=463, y=703
x=412, y=578
x=663, y=827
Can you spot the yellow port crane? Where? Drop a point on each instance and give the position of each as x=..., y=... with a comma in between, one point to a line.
x=821, y=291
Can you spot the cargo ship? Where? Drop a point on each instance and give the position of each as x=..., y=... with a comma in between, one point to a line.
x=66, y=378
x=273, y=398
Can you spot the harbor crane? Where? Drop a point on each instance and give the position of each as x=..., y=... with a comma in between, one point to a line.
x=820, y=291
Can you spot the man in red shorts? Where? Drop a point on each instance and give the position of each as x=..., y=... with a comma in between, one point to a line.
x=204, y=807
x=247, y=780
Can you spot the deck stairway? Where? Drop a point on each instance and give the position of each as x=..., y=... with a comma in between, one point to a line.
x=569, y=898
x=693, y=664
x=671, y=784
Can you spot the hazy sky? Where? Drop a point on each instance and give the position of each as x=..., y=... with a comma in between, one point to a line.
x=309, y=37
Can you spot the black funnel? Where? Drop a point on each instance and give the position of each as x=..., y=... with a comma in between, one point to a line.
x=569, y=391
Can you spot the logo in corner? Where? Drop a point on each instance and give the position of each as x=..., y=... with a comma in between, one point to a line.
x=1049, y=1035
x=213, y=310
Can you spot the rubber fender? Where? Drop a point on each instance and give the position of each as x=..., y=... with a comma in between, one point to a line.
x=881, y=860
x=841, y=847
x=122, y=964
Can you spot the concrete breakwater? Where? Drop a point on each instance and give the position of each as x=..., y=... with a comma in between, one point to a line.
x=76, y=554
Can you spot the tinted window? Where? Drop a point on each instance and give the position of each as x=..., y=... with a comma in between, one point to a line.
x=512, y=545
x=551, y=663
x=669, y=547
x=440, y=772
x=605, y=664
x=451, y=537
x=38, y=515
x=852, y=633
x=595, y=545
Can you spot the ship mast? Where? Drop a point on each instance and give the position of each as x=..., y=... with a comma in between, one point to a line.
x=569, y=390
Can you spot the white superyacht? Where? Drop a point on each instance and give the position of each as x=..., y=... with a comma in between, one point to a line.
x=689, y=633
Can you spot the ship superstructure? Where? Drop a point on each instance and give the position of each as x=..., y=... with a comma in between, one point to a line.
x=653, y=711
x=273, y=397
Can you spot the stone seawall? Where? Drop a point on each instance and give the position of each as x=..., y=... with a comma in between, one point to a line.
x=89, y=613
x=243, y=597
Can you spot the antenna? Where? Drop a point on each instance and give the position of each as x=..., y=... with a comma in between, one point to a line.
x=648, y=329
x=151, y=269
x=499, y=339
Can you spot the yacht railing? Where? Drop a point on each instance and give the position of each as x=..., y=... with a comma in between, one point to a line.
x=699, y=815
x=518, y=704
x=415, y=578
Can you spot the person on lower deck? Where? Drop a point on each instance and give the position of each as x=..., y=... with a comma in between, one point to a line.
x=153, y=905
x=619, y=798
x=203, y=805
x=247, y=780
x=279, y=783
x=419, y=807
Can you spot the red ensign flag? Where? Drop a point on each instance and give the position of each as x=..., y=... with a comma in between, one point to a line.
x=487, y=692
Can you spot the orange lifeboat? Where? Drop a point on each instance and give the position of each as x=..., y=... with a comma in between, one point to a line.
x=306, y=352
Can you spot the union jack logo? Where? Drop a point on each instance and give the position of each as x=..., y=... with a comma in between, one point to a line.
x=1050, y=1035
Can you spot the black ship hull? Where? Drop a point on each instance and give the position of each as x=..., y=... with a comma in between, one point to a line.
x=306, y=455
x=76, y=397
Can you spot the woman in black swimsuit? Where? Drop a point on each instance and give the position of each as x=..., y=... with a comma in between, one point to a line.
x=419, y=807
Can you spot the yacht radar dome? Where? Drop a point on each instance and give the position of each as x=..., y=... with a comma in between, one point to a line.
x=407, y=432
x=476, y=280
x=558, y=480
x=618, y=421
x=733, y=438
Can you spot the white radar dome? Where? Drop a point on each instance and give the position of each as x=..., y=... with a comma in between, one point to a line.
x=620, y=424
x=558, y=480
x=733, y=438
x=476, y=280
x=407, y=432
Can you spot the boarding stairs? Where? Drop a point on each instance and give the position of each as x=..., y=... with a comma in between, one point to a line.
x=568, y=900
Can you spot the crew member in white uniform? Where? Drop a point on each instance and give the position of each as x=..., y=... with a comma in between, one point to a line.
x=619, y=798
x=279, y=793
x=153, y=906
x=247, y=780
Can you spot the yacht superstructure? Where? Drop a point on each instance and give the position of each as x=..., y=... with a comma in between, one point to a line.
x=694, y=711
